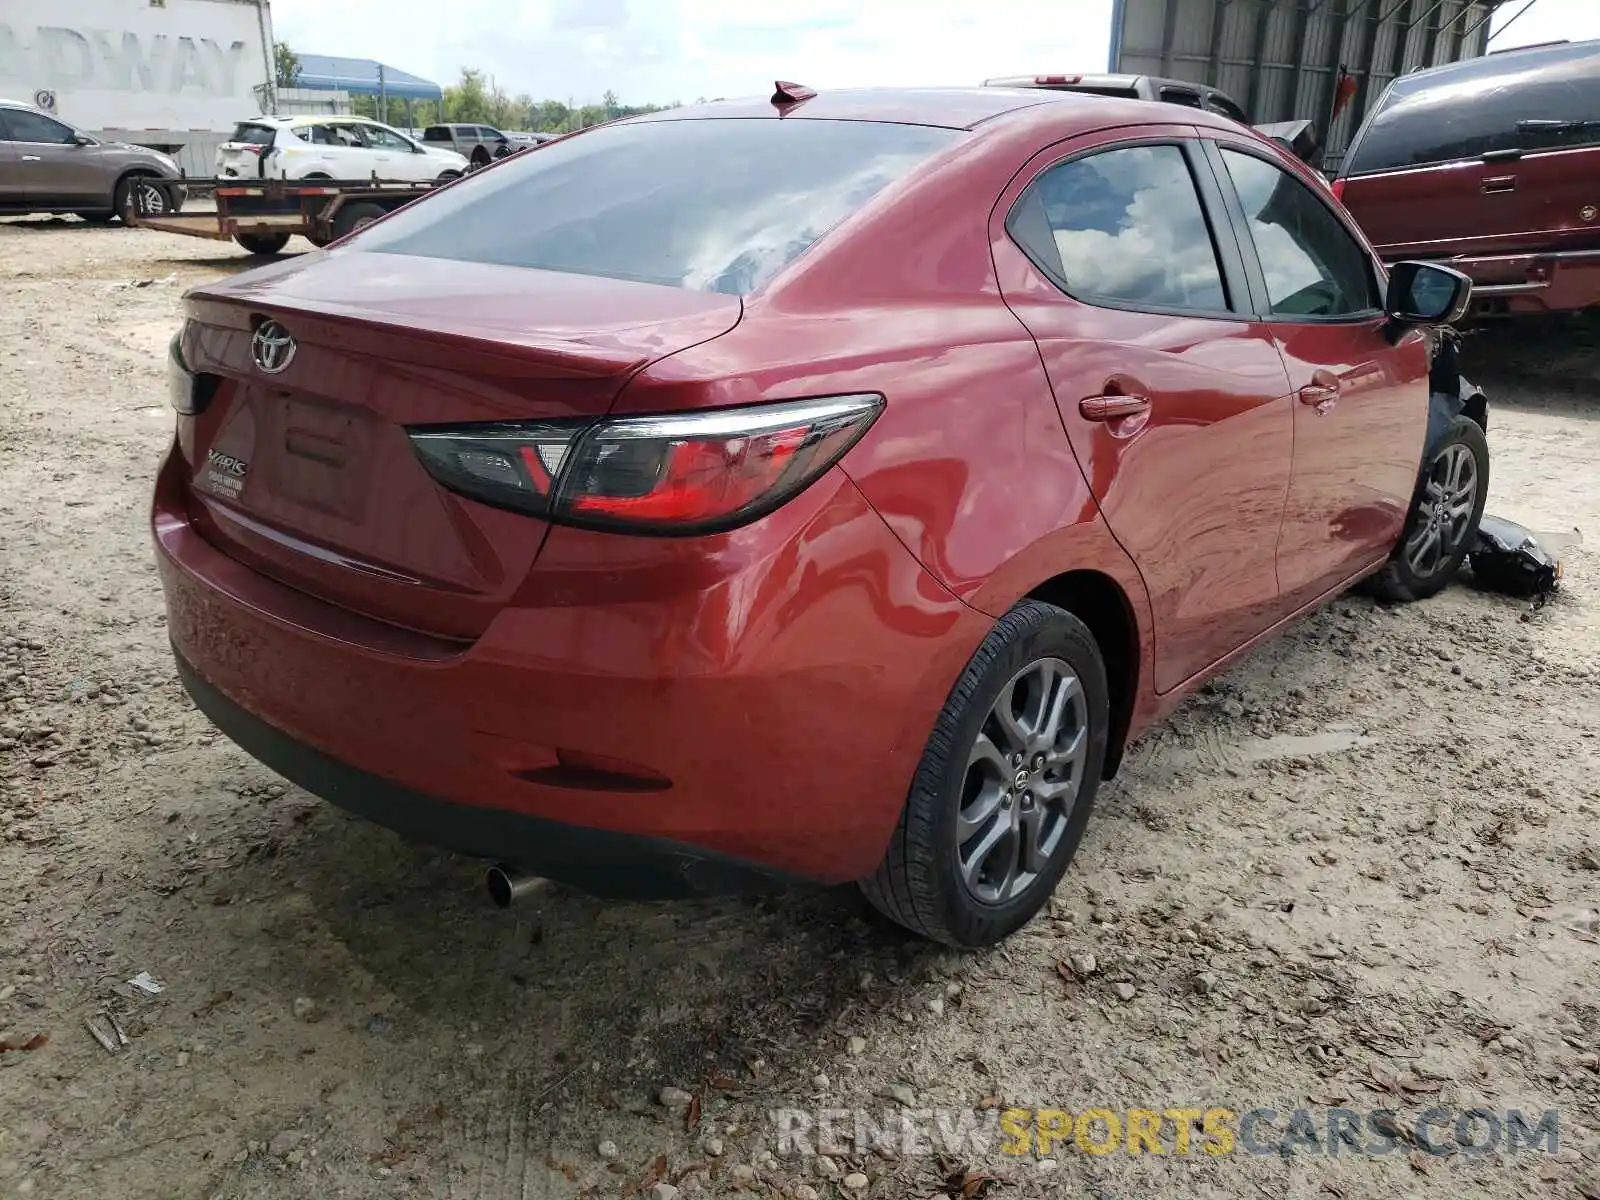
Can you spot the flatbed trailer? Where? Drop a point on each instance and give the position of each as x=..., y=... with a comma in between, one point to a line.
x=262, y=216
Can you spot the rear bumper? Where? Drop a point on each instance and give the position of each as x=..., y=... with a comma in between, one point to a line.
x=1532, y=283
x=737, y=706
x=600, y=861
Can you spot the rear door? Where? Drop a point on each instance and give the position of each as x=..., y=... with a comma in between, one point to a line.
x=1361, y=407
x=52, y=167
x=1172, y=393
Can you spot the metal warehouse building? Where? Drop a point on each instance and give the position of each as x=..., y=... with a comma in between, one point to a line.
x=1283, y=59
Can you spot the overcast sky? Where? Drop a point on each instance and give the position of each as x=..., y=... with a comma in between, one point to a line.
x=664, y=50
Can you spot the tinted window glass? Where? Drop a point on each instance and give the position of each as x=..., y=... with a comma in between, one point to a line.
x=1182, y=96
x=25, y=126
x=1531, y=100
x=255, y=135
x=1314, y=268
x=1125, y=93
x=436, y=133
x=717, y=206
x=1219, y=103
x=1124, y=225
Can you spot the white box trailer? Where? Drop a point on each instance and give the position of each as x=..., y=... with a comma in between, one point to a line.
x=176, y=75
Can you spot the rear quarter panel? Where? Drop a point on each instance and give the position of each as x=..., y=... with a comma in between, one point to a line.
x=968, y=463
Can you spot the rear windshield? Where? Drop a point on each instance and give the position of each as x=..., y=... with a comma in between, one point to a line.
x=1124, y=93
x=1546, y=99
x=711, y=205
x=255, y=135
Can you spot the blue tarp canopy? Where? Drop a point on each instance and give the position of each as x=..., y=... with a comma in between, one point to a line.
x=361, y=76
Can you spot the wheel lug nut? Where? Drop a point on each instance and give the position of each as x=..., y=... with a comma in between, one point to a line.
x=1038, y=762
x=1016, y=760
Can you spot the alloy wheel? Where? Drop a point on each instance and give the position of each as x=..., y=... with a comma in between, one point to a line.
x=1023, y=777
x=1444, y=515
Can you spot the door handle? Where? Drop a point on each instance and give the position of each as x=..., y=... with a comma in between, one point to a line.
x=30, y=158
x=1320, y=396
x=1112, y=408
x=1497, y=184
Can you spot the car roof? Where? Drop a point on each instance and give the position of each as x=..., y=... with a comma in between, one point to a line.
x=1504, y=62
x=310, y=119
x=949, y=108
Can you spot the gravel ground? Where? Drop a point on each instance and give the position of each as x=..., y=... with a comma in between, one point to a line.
x=1361, y=870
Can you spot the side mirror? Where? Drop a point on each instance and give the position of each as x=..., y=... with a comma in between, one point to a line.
x=79, y=139
x=1422, y=293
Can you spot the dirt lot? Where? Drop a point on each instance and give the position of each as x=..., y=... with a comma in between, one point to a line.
x=1362, y=870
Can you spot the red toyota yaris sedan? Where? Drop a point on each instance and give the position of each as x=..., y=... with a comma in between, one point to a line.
x=825, y=488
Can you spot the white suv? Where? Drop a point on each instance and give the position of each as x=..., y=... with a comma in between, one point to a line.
x=346, y=148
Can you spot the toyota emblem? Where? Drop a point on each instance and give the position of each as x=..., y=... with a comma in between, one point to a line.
x=272, y=347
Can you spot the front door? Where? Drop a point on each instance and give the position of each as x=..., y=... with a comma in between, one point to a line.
x=1173, y=395
x=52, y=168
x=1361, y=399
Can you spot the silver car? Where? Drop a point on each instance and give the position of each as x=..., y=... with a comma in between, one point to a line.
x=47, y=166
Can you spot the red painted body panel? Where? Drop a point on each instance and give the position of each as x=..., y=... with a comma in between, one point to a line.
x=781, y=679
x=1356, y=457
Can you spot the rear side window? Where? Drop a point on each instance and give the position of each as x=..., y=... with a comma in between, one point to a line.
x=1218, y=103
x=436, y=133
x=1125, y=226
x=1184, y=96
x=1530, y=101
x=254, y=135
x=711, y=205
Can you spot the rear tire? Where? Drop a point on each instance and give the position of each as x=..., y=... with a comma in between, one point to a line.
x=264, y=244
x=987, y=832
x=355, y=216
x=1443, y=520
x=480, y=159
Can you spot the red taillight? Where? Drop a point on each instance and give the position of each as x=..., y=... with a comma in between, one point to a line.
x=691, y=473
x=1338, y=190
x=1047, y=80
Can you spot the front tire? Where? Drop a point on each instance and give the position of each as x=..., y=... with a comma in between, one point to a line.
x=1443, y=520
x=1006, y=784
x=141, y=196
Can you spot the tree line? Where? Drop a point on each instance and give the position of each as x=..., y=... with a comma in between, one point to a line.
x=477, y=99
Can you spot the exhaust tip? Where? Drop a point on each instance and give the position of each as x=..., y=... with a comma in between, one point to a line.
x=508, y=885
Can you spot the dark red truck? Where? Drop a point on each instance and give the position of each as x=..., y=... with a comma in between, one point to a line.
x=1492, y=165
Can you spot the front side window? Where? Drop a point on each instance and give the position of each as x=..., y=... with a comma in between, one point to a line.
x=1123, y=225
x=1313, y=266
x=712, y=205
x=380, y=138
x=25, y=126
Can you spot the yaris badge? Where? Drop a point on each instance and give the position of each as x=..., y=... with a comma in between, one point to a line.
x=272, y=347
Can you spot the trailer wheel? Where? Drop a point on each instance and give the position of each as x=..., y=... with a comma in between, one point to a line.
x=262, y=243
x=356, y=216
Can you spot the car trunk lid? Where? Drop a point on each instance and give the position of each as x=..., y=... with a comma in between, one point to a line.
x=307, y=473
